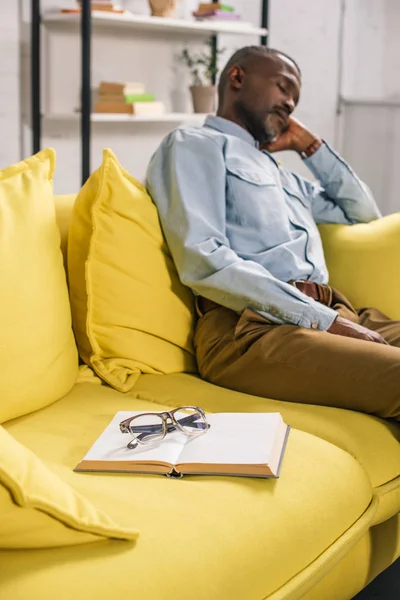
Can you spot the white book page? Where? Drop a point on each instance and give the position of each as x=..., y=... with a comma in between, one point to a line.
x=234, y=438
x=112, y=445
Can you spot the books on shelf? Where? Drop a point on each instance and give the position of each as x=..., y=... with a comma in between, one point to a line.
x=216, y=12
x=107, y=5
x=121, y=88
x=207, y=6
x=98, y=5
x=103, y=106
x=237, y=444
x=216, y=15
x=127, y=98
x=140, y=98
x=148, y=109
x=139, y=109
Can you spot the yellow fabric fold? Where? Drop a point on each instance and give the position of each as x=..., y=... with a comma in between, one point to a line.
x=39, y=510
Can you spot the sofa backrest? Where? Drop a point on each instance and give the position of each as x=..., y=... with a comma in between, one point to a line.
x=355, y=255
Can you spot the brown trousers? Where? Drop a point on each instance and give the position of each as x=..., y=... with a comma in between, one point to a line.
x=250, y=354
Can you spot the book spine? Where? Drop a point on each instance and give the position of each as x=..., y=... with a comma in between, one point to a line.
x=139, y=98
x=109, y=89
x=114, y=107
x=138, y=88
x=174, y=474
x=220, y=14
x=121, y=90
x=217, y=6
x=148, y=109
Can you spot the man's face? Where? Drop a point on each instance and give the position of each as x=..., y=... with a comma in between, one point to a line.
x=269, y=92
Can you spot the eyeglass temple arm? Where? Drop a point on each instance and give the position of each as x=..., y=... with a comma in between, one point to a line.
x=150, y=428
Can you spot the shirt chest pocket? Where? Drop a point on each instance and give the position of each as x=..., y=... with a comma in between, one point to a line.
x=254, y=197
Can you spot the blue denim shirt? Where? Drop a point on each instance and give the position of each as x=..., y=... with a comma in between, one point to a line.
x=240, y=226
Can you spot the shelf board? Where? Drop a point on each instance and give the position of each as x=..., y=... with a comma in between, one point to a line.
x=132, y=21
x=121, y=118
x=364, y=101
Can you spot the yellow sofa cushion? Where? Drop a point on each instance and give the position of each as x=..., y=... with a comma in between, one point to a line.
x=242, y=534
x=352, y=431
x=364, y=262
x=130, y=312
x=38, y=356
x=39, y=510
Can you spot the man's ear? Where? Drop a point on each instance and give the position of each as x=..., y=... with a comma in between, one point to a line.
x=236, y=76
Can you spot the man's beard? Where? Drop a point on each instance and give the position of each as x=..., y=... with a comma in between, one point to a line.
x=270, y=134
x=271, y=131
x=260, y=129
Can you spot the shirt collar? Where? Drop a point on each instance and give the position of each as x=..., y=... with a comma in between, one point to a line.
x=230, y=128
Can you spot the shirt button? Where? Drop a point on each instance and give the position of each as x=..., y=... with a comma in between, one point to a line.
x=256, y=177
x=314, y=325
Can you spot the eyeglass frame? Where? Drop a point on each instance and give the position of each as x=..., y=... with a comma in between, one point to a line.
x=124, y=426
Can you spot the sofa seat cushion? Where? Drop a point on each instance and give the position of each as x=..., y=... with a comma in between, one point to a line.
x=229, y=537
x=372, y=441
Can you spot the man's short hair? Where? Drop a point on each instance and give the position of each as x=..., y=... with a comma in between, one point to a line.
x=242, y=56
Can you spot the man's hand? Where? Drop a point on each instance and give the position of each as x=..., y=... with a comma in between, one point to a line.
x=296, y=137
x=347, y=328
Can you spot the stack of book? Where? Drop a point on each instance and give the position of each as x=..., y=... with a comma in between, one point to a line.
x=104, y=5
x=128, y=98
x=211, y=11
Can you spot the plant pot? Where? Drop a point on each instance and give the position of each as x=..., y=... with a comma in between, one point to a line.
x=163, y=8
x=203, y=97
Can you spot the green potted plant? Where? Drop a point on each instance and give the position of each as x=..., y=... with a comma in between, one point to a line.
x=203, y=67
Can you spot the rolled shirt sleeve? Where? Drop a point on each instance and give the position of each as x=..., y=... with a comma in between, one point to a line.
x=187, y=181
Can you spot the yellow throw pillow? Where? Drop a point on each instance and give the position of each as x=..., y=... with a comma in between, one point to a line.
x=364, y=262
x=130, y=312
x=39, y=510
x=38, y=356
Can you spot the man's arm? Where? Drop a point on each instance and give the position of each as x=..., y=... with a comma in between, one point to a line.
x=187, y=180
x=340, y=196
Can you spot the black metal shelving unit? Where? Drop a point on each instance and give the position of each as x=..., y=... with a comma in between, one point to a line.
x=86, y=56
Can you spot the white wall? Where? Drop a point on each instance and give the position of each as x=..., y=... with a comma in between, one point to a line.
x=391, y=66
x=370, y=110
x=364, y=48
x=10, y=149
x=371, y=64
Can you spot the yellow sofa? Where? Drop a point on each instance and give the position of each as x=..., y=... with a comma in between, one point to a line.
x=322, y=531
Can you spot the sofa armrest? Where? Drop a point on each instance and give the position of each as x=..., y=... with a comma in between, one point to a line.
x=364, y=262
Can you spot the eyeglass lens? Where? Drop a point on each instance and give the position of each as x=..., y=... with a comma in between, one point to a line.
x=191, y=420
x=147, y=429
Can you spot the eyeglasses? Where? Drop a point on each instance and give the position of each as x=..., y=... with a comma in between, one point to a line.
x=151, y=428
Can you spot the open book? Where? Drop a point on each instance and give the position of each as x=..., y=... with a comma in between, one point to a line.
x=242, y=444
